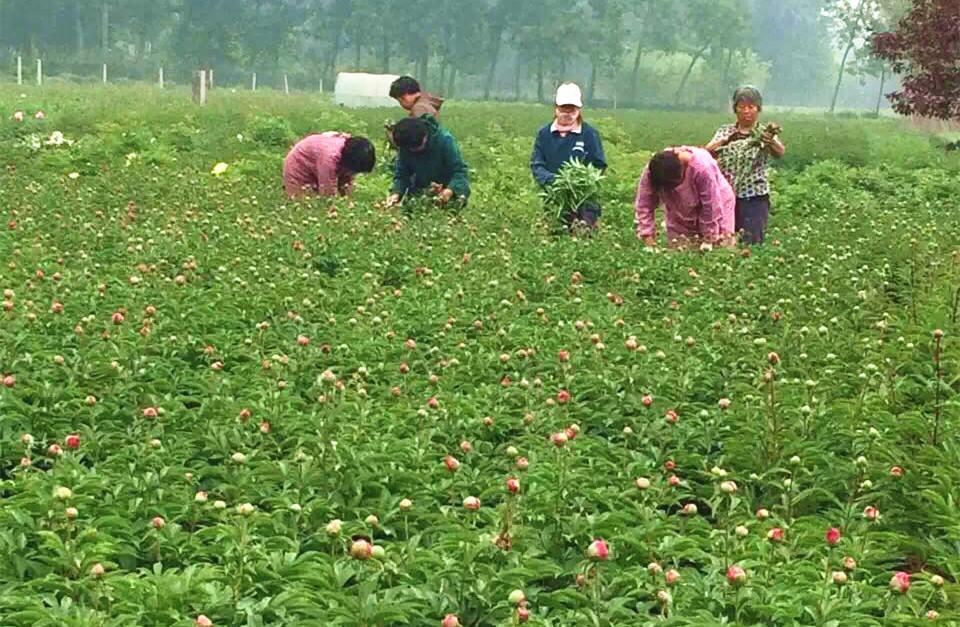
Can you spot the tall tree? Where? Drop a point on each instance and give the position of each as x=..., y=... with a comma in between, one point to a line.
x=924, y=49
x=793, y=37
x=605, y=45
x=546, y=45
x=852, y=23
x=500, y=16
x=717, y=24
x=653, y=26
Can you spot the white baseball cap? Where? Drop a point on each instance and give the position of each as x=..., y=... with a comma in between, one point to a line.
x=569, y=94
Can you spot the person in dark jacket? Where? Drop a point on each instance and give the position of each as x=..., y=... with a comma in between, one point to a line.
x=429, y=161
x=567, y=138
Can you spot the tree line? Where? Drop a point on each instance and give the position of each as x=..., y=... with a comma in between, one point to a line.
x=643, y=52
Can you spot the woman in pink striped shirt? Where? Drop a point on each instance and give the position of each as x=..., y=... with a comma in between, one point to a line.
x=698, y=201
x=326, y=164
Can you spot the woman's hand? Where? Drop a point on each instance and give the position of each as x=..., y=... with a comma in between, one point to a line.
x=772, y=144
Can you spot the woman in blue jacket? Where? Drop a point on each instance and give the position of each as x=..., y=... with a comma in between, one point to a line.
x=567, y=138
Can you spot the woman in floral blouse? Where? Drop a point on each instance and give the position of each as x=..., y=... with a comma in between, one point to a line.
x=743, y=151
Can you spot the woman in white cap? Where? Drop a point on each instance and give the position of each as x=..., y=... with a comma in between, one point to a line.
x=743, y=151
x=564, y=139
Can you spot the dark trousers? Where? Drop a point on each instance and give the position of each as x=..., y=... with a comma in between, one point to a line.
x=752, y=215
x=589, y=214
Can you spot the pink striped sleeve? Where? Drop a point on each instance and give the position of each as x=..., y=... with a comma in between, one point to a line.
x=328, y=158
x=646, y=206
x=716, y=198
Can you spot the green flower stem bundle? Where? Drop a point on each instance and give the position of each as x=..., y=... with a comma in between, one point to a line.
x=577, y=184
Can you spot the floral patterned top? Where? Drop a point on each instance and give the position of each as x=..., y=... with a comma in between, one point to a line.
x=744, y=162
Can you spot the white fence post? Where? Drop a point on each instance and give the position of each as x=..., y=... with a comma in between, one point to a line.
x=104, y=73
x=321, y=85
x=286, y=85
x=40, y=72
x=161, y=77
x=253, y=82
x=203, y=87
x=19, y=70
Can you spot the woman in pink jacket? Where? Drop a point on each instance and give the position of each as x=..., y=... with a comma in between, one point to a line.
x=698, y=201
x=326, y=164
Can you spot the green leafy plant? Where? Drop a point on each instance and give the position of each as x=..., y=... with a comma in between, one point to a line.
x=576, y=184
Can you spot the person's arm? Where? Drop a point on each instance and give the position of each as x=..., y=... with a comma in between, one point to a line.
x=459, y=185
x=773, y=145
x=402, y=173
x=345, y=184
x=645, y=208
x=325, y=168
x=711, y=203
x=599, y=158
x=538, y=164
x=720, y=139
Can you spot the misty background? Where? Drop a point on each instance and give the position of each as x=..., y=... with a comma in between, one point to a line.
x=638, y=53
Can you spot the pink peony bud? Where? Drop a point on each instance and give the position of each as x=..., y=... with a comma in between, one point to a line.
x=522, y=463
x=849, y=563
x=54, y=450
x=647, y=400
x=97, y=570
x=598, y=550
x=563, y=356
x=361, y=550
x=833, y=536
x=773, y=358
x=433, y=403
x=9, y=381
x=451, y=462
x=450, y=620
x=672, y=577
x=150, y=412
x=513, y=485
x=158, y=522
x=672, y=416
x=72, y=441
x=118, y=318
x=303, y=340
x=775, y=535
x=559, y=439
x=563, y=397
x=724, y=403
x=871, y=513
x=523, y=615
x=736, y=576
x=896, y=471
x=673, y=481
x=900, y=582
x=471, y=503
x=39, y=115
x=203, y=621
x=763, y=514
x=466, y=447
